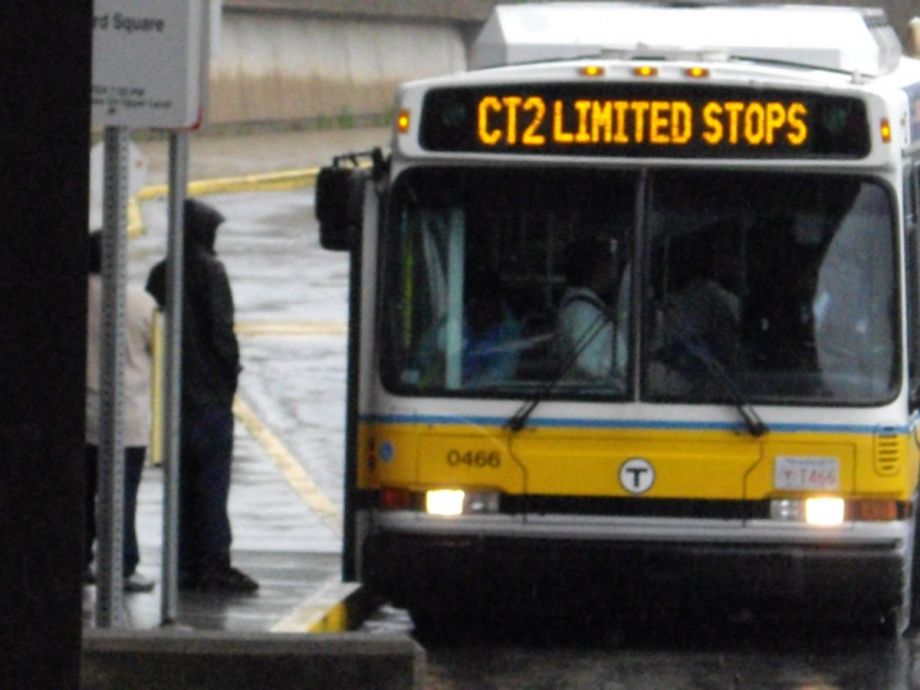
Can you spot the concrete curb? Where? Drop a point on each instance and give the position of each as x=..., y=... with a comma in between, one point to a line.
x=282, y=180
x=166, y=659
x=336, y=608
x=266, y=182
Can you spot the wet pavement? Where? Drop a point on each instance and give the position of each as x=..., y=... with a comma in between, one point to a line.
x=291, y=299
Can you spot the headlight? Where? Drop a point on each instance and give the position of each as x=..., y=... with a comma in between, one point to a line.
x=818, y=511
x=454, y=502
x=446, y=502
x=824, y=511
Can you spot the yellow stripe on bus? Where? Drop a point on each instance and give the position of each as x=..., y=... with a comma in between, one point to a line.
x=587, y=461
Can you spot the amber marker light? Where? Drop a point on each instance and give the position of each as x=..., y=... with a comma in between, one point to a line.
x=886, y=130
x=876, y=510
x=645, y=71
x=402, y=121
x=696, y=72
x=591, y=71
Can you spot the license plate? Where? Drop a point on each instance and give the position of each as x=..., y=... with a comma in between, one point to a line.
x=806, y=473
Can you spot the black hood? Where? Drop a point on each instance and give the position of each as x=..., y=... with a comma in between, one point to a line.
x=201, y=223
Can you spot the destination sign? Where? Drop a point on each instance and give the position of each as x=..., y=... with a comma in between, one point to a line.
x=644, y=120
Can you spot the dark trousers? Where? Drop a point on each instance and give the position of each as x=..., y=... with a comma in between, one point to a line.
x=134, y=467
x=204, y=487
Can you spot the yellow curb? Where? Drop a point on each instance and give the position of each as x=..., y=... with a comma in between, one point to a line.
x=276, y=181
x=299, y=479
x=135, y=219
x=336, y=607
x=249, y=329
x=264, y=182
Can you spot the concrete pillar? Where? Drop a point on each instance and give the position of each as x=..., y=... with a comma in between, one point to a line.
x=44, y=149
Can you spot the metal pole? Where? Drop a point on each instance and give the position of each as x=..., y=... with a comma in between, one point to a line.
x=109, y=597
x=172, y=400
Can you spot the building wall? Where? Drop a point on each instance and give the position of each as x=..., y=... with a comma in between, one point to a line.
x=339, y=61
x=443, y=10
x=281, y=67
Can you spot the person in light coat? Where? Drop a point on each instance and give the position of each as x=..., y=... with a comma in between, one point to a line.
x=138, y=341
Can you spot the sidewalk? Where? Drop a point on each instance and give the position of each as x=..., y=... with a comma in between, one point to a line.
x=290, y=549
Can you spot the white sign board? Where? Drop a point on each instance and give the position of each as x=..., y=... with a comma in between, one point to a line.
x=147, y=63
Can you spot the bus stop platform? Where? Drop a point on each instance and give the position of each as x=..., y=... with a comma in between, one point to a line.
x=285, y=536
x=278, y=539
x=299, y=628
x=293, y=632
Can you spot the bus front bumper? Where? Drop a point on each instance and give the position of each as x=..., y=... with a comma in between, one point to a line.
x=635, y=563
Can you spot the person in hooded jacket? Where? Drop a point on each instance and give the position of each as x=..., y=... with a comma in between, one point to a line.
x=210, y=371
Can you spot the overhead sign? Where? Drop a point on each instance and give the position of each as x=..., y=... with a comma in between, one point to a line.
x=147, y=57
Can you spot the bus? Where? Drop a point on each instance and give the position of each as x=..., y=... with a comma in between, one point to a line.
x=635, y=309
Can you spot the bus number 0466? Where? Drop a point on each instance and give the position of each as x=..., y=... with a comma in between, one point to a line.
x=474, y=458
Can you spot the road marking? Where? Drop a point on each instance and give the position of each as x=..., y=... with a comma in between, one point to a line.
x=248, y=329
x=299, y=479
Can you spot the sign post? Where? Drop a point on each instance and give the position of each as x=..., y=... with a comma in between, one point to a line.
x=109, y=610
x=147, y=73
x=178, y=183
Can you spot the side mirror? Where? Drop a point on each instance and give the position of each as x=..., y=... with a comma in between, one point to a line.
x=340, y=206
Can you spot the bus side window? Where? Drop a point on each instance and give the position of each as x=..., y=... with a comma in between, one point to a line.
x=911, y=217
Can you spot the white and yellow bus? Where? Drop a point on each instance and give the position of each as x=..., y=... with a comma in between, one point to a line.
x=635, y=307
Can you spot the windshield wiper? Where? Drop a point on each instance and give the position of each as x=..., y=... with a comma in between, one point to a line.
x=717, y=372
x=518, y=420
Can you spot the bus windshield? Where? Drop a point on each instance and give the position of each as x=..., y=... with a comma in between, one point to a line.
x=628, y=285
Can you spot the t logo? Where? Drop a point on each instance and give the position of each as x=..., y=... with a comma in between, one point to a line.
x=637, y=475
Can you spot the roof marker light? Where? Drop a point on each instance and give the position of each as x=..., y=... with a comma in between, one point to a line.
x=645, y=71
x=402, y=121
x=696, y=72
x=886, y=130
x=591, y=71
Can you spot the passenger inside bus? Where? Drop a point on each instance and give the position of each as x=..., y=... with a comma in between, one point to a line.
x=698, y=313
x=490, y=332
x=784, y=266
x=586, y=325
